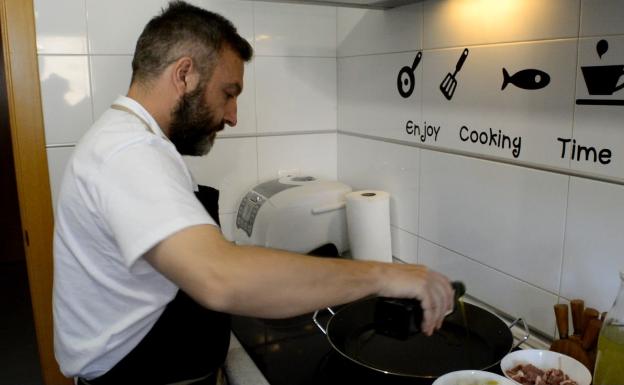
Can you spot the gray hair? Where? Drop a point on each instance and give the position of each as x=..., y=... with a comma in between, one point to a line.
x=185, y=30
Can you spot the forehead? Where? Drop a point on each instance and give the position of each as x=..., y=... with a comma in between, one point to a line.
x=229, y=68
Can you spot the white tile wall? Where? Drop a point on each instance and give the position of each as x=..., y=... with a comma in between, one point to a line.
x=295, y=94
x=369, y=164
x=404, y=245
x=594, y=247
x=66, y=97
x=452, y=23
x=61, y=26
x=600, y=126
x=57, y=161
x=504, y=292
x=533, y=118
x=512, y=233
x=602, y=17
x=240, y=13
x=112, y=31
x=294, y=30
x=369, y=99
x=313, y=154
x=110, y=77
x=362, y=32
x=522, y=239
x=296, y=59
x=506, y=217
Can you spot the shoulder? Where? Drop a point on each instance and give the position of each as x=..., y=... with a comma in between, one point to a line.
x=118, y=133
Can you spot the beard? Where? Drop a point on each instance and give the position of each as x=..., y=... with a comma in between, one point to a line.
x=193, y=126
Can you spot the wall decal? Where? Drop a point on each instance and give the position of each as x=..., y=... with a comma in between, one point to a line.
x=529, y=79
x=603, y=80
x=492, y=138
x=580, y=153
x=449, y=84
x=406, y=80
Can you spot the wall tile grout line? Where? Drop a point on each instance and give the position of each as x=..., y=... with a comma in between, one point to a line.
x=565, y=235
x=234, y=136
x=567, y=204
x=529, y=165
x=486, y=265
x=470, y=46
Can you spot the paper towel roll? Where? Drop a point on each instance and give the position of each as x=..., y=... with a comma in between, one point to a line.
x=368, y=223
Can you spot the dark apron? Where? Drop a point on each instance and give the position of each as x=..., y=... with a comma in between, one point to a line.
x=188, y=341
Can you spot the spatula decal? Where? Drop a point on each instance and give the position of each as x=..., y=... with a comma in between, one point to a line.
x=449, y=84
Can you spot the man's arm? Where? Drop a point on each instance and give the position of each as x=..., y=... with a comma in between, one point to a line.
x=261, y=282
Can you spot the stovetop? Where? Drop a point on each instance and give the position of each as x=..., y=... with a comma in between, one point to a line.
x=294, y=351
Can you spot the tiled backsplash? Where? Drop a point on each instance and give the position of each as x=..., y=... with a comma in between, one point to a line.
x=482, y=186
x=286, y=114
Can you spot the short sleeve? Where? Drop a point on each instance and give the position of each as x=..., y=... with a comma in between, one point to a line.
x=146, y=195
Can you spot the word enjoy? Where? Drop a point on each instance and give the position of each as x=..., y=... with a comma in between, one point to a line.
x=578, y=152
x=492, y=138
x=427, y=131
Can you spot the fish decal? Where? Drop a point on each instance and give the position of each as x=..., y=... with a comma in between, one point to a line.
x=529, y=79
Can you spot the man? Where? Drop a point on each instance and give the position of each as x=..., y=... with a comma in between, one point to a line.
x=135, y=250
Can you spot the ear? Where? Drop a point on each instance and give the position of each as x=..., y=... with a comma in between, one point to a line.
x=184, y=75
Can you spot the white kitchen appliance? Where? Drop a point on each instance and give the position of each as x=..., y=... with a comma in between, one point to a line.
x=295, y=213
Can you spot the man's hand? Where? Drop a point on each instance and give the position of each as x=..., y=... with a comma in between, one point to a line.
x=432, y=289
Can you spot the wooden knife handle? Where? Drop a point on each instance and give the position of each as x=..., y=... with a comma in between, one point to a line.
x=588, y=315
x=577, y=306
x=592, y=329
x=561, y=315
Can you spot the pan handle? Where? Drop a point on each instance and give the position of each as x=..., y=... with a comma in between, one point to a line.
x=317, y=323
x=526, y=331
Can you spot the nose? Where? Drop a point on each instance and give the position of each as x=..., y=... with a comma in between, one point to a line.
x=230, y=113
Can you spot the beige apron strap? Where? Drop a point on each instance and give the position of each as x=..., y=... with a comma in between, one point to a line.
x=119, y=107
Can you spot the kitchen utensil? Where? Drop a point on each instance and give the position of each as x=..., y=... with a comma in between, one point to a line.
x=570, y=346
x=449, y=84
x=577, y=306
x=477, y=341
x=588, y=315
x=402, y=318
x=561, y=315
x=590, y=337
x=473, y=377
x=406, y=79
x=545, y=359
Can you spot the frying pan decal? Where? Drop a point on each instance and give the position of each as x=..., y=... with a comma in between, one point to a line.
x=406, y=79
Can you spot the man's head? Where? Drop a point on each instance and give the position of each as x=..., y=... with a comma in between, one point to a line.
x=199, y=56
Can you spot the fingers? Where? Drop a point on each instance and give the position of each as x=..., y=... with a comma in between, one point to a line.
x=437, y=302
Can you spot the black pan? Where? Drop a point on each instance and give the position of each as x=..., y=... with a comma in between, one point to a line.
x=479, y=342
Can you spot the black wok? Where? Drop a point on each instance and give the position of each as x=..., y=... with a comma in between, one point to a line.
x=478, y=341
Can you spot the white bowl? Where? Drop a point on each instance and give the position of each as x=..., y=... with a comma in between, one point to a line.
x=545, y=359
x=472, y=377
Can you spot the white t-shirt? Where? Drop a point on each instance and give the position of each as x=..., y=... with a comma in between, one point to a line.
x=124, y=190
